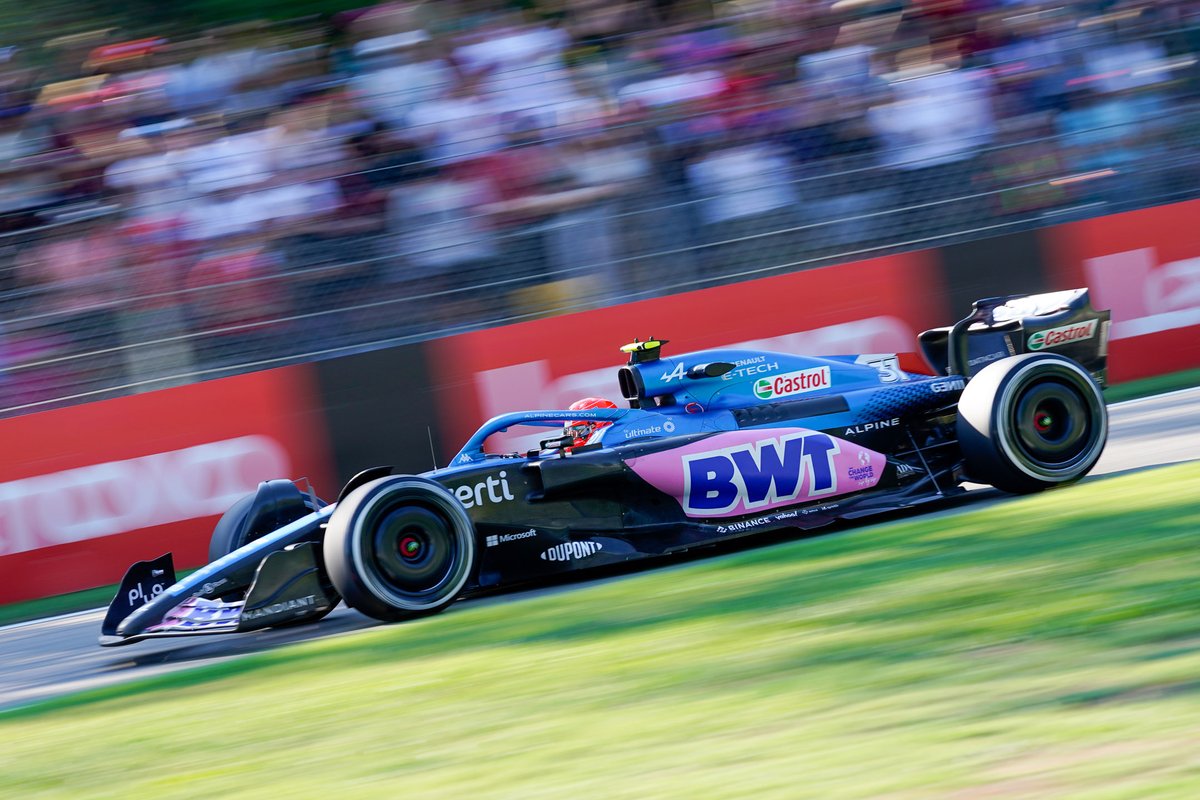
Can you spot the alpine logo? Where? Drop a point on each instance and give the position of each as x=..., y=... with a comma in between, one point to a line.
x=1053, y=337
x=673, y=375
x=570, y=551
x=497, y=539
x=868, y=427
x=760, y=474
x=789, y=383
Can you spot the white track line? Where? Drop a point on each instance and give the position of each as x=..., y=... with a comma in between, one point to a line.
x=73, y=614
x=42, y=620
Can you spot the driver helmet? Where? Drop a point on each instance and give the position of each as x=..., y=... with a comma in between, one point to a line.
x=582, y=429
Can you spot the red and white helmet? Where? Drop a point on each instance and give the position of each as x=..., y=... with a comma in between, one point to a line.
x=582, y=429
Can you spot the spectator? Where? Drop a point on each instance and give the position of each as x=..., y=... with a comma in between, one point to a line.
x=74, y=274
x=937, y=119
x=747, y=200
x=236, y=301
x=273, y=189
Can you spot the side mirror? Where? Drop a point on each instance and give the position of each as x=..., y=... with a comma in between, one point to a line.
x=712, y=370
x=556, y=442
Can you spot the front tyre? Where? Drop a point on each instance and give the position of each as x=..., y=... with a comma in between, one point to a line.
x=399, y=547
x=1031, y=422
x=273, y=505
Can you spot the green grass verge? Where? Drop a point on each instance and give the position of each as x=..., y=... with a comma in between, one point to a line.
x=1046, y=647
x=1156, y=385
x=59, y=604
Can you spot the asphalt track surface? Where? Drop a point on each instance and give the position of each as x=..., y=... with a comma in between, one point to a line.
x=49, y=657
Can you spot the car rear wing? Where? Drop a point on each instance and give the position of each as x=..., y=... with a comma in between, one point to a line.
x=998, y=327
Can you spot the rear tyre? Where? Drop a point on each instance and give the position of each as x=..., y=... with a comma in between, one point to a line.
x=1031, y=422
x=399, y=547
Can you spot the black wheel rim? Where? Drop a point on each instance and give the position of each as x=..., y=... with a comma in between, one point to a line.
x=413, y=549
x=1053, y=423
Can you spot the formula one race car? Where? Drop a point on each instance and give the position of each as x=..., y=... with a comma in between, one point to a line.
x=714, y=445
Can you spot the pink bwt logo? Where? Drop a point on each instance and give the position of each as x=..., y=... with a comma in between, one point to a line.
x=749, y=474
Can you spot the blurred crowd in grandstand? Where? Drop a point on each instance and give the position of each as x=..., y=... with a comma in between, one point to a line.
x=173, y=205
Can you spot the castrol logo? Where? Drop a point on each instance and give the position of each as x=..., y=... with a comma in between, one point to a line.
x=799, y=382
x=1053, y=337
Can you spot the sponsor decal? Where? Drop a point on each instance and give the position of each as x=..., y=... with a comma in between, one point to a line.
x=863, y=473
x=987, y=359
x=943, y=387
x=887, y=365
x=782, y=516
x=760, y=473
x=140, y=595
x=905, y=470
x=752, y=366
x=651, y=430
x=1055, y=337
x=744, y=368
x=282, y=607
x=494, y=489
x=212, y=586
x=118, y=496
x=792, y=383
x=498, y=539
x=735, y=474
x=743, y=525
x=868, y=427
x=572, y=551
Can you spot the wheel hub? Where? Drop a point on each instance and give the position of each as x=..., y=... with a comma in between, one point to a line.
x=414, y=548
x=410, y=548
x=1052, y=423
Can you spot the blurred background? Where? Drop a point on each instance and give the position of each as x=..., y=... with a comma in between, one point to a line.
x=204, y=187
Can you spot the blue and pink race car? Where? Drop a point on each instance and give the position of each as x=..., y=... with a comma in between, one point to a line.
x=713, y=445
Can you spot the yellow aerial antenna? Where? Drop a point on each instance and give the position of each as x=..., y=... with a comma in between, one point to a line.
x=643, y=351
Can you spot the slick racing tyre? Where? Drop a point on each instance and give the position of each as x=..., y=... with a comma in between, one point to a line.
x=1031, y=422
x=399, y=547
x=275, y=504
